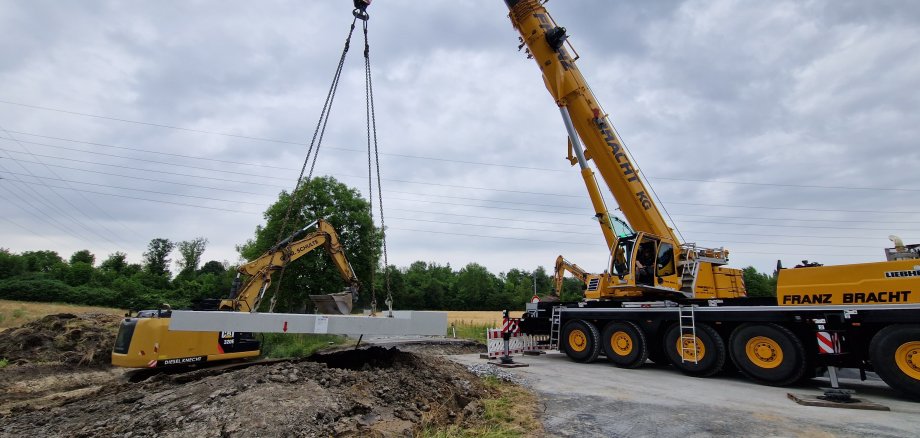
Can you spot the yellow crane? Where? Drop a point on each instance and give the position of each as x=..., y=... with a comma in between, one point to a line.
x=678, y=303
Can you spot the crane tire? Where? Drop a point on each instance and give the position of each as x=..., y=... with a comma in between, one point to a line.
x=895, y=355
x=710, y=351
x=768, y=353
x=624, y=344
x=580, y=341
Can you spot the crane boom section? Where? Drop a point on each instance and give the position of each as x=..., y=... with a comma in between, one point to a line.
x=545, y=41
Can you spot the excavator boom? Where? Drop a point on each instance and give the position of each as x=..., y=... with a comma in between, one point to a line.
x=288, y=250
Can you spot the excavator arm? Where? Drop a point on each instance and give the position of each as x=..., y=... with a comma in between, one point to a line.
x=260, y=270
x=563, y=265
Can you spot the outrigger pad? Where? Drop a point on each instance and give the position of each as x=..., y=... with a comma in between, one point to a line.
x=333, y=304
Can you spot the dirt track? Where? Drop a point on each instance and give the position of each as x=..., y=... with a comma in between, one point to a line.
x=58, y=383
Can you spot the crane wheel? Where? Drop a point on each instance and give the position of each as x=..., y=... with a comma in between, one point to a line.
x=580, y=341
x=768, y=354
x=701, y=358
x=895, y=355
x=624, y=344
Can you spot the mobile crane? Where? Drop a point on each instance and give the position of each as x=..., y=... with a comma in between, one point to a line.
x=145, y=341
x=677, y=303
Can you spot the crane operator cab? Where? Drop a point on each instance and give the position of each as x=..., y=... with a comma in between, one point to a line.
x=640, y=263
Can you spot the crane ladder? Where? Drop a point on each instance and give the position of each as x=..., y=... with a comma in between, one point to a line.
x=555, y=323
x=691, y=267
x=688, y=340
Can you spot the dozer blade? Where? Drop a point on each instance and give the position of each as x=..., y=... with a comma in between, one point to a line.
x=333, y=304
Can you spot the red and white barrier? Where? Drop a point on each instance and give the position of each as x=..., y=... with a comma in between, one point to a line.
x=518, y=343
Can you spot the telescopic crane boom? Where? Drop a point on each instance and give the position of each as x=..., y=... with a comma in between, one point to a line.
x=652, y=260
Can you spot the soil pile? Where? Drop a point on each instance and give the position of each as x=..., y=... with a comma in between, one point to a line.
x=63, y=338
x=369, y=392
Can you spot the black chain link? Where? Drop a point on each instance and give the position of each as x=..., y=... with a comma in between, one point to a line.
x=316, y=141
x=372, y=129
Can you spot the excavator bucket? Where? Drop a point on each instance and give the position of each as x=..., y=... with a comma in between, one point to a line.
x=333, y=304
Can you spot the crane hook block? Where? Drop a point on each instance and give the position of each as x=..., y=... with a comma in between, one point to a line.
x=360, y=11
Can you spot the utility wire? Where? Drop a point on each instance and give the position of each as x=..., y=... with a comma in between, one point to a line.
x=141, y=190
x=594, y=244
x=46, y=202
x=48, y=219
x=28, y=230
x=462, y=198
x=155, y=200
x=428, y=183
x=224, y=134
x=155, y=180
x=569, y=226
x=86, y=199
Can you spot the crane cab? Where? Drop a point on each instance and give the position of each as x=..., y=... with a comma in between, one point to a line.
x=645, y=265
x=640, y=263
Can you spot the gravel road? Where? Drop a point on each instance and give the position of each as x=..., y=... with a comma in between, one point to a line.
x=600, y=400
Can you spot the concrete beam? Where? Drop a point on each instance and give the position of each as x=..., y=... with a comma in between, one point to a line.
x=403, y=322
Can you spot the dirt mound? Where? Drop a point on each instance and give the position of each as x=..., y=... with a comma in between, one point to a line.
x=85, y=339
x=369, y=392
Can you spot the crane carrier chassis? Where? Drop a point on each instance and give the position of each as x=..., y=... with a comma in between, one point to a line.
x=770, y=344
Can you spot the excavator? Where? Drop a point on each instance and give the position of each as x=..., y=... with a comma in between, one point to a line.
x=145, y=341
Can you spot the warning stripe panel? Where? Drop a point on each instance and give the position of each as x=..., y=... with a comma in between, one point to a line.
x=825, y=343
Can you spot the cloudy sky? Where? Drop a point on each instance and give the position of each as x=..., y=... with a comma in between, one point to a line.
x=780, y=130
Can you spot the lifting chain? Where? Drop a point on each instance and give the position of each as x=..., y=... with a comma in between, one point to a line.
x=313, y=151
x=373, y=163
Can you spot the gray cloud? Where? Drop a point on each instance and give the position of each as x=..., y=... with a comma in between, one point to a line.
x=782, y=93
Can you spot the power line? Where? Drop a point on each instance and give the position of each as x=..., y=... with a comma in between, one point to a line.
x=793, y=208
x=573, y=226
x=478, y=163
x=28, y=230
x=133, y=158
x=88, y=201
x=193, y=157
x=152, y=179
x=447, y=185
x=47, y=203
x=145, y=191
x=50, y=220
x=591, y=244
x=795, y=219
x=153, y=200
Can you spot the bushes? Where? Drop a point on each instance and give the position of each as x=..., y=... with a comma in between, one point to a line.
x=34, y=290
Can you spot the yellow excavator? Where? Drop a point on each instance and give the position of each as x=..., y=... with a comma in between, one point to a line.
x=145, y=341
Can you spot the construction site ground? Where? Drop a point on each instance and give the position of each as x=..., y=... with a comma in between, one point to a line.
x=57, y=382
x=598, y=399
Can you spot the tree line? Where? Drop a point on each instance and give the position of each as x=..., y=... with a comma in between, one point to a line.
x=43, y=275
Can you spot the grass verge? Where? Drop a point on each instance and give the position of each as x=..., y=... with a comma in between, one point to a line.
x=283, y=345
x=509, y=411
x=468, y=330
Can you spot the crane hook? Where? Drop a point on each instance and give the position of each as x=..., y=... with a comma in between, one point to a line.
x=360, y=11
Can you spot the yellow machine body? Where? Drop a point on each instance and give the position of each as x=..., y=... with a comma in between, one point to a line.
x=147, y=342
x=890, y=282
